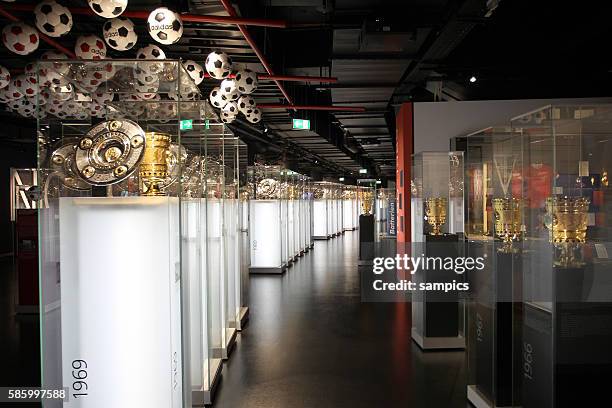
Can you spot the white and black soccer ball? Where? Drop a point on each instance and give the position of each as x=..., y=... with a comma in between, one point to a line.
x=20, y=38
x=151, y=52
x=228, y=119
x=108, y=8
x=229, y=90
x=216, y=98
x=119, y=33
x=184, y=96
x=246, y=102
x=5, y=77
x=165, y=26
x=230, y=109
x=253, y=115
x=52, y=18
x=246, y=81
x=218, y=65
x=90, y=47
x=195, y=71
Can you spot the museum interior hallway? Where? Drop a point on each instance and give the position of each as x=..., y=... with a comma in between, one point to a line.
x=310, y=342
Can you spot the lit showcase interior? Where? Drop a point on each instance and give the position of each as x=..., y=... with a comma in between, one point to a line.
x=140, y=221
x=437, y=231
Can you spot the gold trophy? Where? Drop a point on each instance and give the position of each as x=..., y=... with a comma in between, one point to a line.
x=435, y=211
x=367, y=198
x=508, y=224
x=567, y=222
x=154, y=165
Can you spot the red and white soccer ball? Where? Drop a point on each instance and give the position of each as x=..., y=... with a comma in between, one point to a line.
x=90, y=47
x=26, y=84
x=20, y=38
x=5, y=77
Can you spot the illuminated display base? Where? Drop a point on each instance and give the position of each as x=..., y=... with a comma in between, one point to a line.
x=120, y=301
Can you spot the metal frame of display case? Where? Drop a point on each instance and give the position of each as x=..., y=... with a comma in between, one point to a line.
x=564, y=292
x=494, y=226
x=437, y=195
x=139, y=198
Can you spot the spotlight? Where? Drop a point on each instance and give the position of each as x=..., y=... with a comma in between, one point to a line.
x=473, y=79
x=341, y=179
x=266, y=129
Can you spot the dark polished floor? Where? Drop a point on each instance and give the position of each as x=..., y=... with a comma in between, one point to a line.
x=311, y=342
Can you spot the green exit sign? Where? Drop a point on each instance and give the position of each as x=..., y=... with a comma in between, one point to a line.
x=186, y=124
x=303, y=124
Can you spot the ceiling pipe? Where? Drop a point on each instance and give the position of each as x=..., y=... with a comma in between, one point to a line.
x=293, y=78
x=230, y=10
x=312, y=107
x=190, y=18
x=43, y=37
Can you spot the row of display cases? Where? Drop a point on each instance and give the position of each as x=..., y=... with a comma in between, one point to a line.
x=530, y=198
x=142, y=268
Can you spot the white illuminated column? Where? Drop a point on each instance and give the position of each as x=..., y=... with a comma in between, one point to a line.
x=119, y=274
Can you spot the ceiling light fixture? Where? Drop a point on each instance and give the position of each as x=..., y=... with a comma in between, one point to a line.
x=473, y=79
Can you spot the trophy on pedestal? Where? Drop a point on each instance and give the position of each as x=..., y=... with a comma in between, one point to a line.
x=435, y=211
x=508, y=225
x=154, y=165
x=566, y=220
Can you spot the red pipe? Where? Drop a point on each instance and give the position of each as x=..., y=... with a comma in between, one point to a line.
x=295, y=78
x=230, y=10
x=312, y=107
x=191, y=18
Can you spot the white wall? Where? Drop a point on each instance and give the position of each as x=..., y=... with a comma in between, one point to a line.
x=435, y=123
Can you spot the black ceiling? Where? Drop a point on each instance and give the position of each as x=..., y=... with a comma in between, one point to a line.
x=385, y=52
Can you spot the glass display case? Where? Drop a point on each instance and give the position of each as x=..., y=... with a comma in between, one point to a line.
x=293, y=226
x=437, y=231
x=243, y=235
x=267, y=219
x=116, y=286
x=309, y=203
x=494, y=229
x=321, y=212
x=366, y=193
x=303, y=215
x=564, y=272
x=349, y=208
x=339, y=209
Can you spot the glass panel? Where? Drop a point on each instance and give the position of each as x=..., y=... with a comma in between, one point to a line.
x=110, y=232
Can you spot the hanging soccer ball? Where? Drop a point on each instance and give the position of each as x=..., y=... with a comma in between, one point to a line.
x=52, y=18
x=246, y=102
x=151, y=52
x=229, y=119
x=20, y=38
x=246, y=81
x=4, y=95
x=230, y=109
x=229, y=90
x=26, y=85
x=62, y=92
x=143, y=76
x=165, y=26
x=96, y=110
x=218, y=65
x=146, y=87
x=15, y=91
x=119, y=33
x=56, y=68
x=108, y=8
x=216, y=98
x=195, y=71
x=5, y=77
x=90, y=47
x=253, y=115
